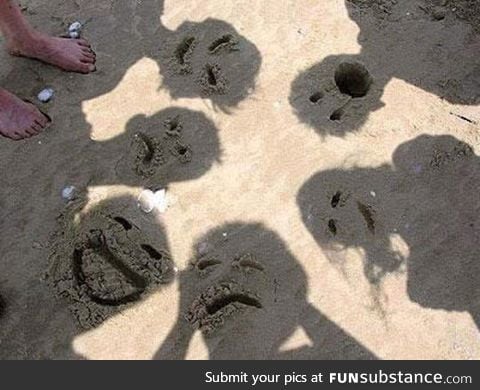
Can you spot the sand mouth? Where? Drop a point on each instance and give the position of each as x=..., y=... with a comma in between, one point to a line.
x=353, y=79
x=210, y=309
x=126, y=286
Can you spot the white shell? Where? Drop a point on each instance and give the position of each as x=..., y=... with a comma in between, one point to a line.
x=149, y=200
x=69, y=192
x=161, y=201
x=45, y=95
x=75, y=26
x=74, y=34
x=146, y=201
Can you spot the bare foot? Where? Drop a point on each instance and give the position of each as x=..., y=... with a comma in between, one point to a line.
x=19, y=119
x=72, y=55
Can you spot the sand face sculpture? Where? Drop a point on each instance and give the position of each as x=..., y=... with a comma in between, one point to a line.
x=336, y=96
x=173, y=145
x=428, y=198
x=107, y=259
x=347, y=209
x=246, y=294
x=210, y=60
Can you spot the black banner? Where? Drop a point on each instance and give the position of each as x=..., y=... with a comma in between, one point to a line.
x=242, y=374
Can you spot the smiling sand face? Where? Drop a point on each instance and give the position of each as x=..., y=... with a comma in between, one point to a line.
x=106, y=260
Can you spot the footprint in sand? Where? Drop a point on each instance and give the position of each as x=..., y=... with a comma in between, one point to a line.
x=104, y=263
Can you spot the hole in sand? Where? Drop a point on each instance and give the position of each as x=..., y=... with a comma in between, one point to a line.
x=353, y=79
x=336, y=199
x=211, y=76
x=152, y=252
x=172, y=124
x=367, y=213
x=316, y=97
x=337, y=114
x=149, y=147
x=184, y=50
x=219, y=303
x=332, y=226
x=122, y=221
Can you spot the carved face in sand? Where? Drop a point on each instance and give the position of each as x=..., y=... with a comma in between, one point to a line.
x=212, y=60
x=171, y=146
x=348, y=208
x=239, y=282
x=107, y=259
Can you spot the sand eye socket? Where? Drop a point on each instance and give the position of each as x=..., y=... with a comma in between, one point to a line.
x=122, y=221
x=152, y=252
x=316, y=97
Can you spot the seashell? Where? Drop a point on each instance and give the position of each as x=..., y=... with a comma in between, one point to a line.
x=69, y=193
x=46, y=95
x=149, y=200
x=74, y=30
x=75, y=26
x=146, y=201
x=161, y=201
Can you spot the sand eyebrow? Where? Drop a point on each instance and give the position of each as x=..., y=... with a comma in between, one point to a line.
x=203, y=264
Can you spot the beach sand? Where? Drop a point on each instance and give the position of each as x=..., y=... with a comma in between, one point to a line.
x=321, y=161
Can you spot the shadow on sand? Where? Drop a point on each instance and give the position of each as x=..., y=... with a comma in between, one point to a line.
x=402, y=41
x=247, y=295
x=428, y=197
x=90, y=267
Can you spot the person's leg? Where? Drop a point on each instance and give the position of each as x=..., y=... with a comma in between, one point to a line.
x=19, y=119
x=72, y=55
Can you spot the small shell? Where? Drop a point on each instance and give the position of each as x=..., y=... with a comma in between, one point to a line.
x=149, y=200
x=161, y=201
x=146, y=201
x=45, y=95
x=69, y=193
x=74, y=34
x=75, y=26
